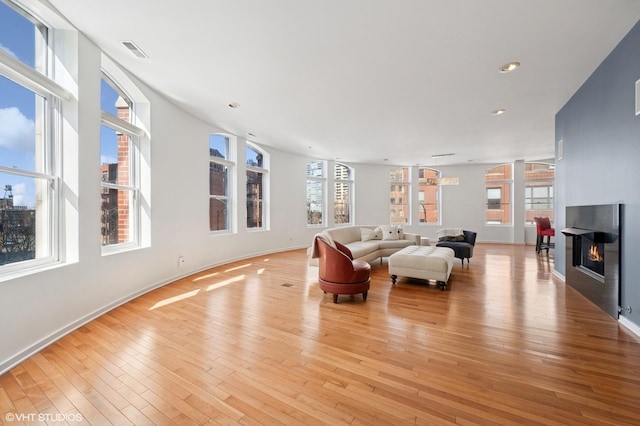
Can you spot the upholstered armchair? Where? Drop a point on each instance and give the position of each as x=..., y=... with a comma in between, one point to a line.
x=462, y=243
x=338, y=273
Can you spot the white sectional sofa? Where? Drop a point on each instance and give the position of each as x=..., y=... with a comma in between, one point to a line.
x=370, y=242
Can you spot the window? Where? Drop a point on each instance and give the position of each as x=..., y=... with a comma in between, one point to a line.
x=30, y=143
x=428, y=195
x=400, y=188
x=220, y=175
x=538, y=195
x=498, y=191
x=256, y=176
x=121, y=154
x=342, y=196
x=316, y=183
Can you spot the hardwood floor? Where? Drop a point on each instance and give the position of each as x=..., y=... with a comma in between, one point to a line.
x=256, y=342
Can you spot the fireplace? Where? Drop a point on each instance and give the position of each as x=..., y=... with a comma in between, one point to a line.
x=592, y=258
x=593, y=253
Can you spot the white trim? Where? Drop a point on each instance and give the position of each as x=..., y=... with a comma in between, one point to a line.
x=632, y=326
x=26, y=76
x=119, y=124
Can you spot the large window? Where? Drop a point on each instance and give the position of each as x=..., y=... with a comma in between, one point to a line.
x=221, y=172
x=538, y=196
x=400, y=188
x=498, y=194
x=119, y=167
x=30, y=142
x=316, y=184
x=343, y=194
x=256, y=178
x=428, y=195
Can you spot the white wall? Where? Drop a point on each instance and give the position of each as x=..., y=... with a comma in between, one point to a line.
x=38, y=308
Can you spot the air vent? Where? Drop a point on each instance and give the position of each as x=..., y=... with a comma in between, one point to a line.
x=135, y=49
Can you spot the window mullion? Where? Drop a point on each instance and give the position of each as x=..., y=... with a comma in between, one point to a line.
x=33, y=80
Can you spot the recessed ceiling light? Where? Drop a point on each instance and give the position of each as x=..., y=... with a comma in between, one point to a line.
x=233, y=105
x=442, y=155
x=498, y=111
x=251, y=135
x=509, y=67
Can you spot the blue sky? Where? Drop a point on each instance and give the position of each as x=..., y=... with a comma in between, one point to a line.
x=17, y=111
x=17, y=106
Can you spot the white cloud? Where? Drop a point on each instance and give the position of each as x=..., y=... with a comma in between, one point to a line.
x=105, y=159
x=21, y=196
x=16, y=130
x=6, y=49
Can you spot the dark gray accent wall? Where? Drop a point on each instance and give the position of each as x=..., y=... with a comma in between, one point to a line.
x=600, y=161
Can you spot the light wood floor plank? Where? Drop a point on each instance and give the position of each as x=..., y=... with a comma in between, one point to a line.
x=257, y=342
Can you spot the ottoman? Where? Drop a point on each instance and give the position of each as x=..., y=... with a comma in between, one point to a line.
x=423, y=262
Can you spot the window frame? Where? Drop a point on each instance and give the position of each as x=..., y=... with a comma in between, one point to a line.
x=505, y=185
x=349, y=183
x=322, y=181
x=263, y=199
x=530, y=183
x=429, y=183
x=50, y=100
x=400, y=189
x=230, y=164
x=133, y=187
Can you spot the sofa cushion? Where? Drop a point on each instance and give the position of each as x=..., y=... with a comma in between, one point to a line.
x=367, y=234
x=363, y=248
x=386, y=244
x=390, y=232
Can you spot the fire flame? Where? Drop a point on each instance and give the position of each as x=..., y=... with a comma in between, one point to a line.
x=594, y=254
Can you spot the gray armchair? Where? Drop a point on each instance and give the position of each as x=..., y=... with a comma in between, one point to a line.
x=462, y=246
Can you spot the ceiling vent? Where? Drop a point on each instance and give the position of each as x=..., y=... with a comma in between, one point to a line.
x=135, y=49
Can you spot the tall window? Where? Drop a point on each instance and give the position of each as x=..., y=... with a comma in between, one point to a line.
x=428, y=195
x=343, y=194
x=400, y=188
x=538, y=195
x=119, y=166
x=498, y=191
x=316, y=183
x=256, y=177
x=30, y=142
x=220, y=175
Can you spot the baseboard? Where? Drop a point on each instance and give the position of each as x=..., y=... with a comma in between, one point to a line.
x=632, y=326
x=559, y=275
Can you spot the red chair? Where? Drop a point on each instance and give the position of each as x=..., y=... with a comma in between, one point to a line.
x=338, y=273
x=544, y=229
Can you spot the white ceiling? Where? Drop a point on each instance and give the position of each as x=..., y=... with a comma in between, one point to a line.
x=367, y=80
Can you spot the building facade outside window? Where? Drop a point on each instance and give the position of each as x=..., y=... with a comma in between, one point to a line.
x=498, y=182
x=257, y=170
x=538, y=198
x=316, y=184
x=399, y=199
x=221, y=173
x=30, y=142
x=428, y=195
x=119, y=166
x=343, y=194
